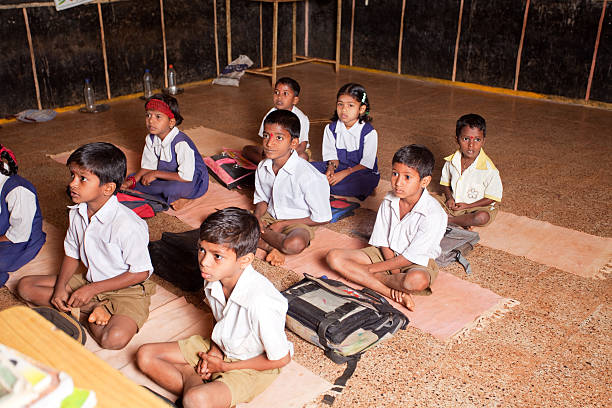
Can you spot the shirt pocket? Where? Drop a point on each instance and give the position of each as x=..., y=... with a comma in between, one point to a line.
x=110, y=254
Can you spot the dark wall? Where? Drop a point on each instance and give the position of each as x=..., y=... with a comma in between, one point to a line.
x=556, y=57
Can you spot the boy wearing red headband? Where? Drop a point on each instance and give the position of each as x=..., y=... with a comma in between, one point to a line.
x=21, y=234
x=171, y=167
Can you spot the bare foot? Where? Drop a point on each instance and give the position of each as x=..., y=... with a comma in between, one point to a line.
x=99, y=316
x=275, y=257
x=180, y=203
x=403, y=298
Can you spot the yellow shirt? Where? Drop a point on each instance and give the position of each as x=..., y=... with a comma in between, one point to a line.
x=480, y=180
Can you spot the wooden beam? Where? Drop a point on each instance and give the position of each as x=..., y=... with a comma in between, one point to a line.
x=261, y=35
x=103, y=41
x=294, y=31
x=457, y=42
x=601, y=19
x=338, y=26
x=306, y=20
x=163, y=27
x=216, y=36
x=228, y=30
x=32, y=57
x=401, y=38
x=352, y=32
x=519, y=53
x=274, y=41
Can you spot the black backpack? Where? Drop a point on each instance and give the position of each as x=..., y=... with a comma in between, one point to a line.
x=343, y=321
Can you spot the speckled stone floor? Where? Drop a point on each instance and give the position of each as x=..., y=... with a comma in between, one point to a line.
x=554, y=349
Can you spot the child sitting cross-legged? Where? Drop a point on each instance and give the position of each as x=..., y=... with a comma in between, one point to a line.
x=470, y=181
x=248, y=345
x=291, y=196
x=406, y=236
x=111, y=241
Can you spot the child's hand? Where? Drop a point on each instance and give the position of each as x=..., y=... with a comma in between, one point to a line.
x=148, y=178
x=450, y=203
x=214, y=364
x=277, y=226
x=59, y=298
x=202, y=366
x=338, y=177
x=460, y=206
x=81, y=296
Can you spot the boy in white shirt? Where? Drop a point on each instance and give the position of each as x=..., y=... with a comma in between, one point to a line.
x=406, y=236
x=248, y=345
x=470, y=181
x=286, y=96
x=291, y=196
x=111, y=241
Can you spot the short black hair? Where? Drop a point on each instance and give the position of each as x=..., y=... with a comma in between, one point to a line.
x=291, y=83
x=172, y=104
x=416, y=156
x=104, y=160
x=472, y=120
x=286, y=119
x=235, y=227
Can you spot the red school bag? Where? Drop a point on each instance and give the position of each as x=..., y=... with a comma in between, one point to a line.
x=144, y=205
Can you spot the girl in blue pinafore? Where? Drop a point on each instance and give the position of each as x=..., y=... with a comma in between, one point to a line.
x=350, y=144
x=171, y=168
x=21, y=234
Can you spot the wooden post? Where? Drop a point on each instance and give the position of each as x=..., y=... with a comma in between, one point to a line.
x=601, y=19
x=216, y=36
x=228, y=30
x=306, y=19
x=274, y=41
x=260, y=36
x=338, y=25
x=457, y=41
x=293, y=44
x=32, y=57
x=520, y=48
x=163, y=27
x=352, y=31
x=401, y=38
x=108, y=92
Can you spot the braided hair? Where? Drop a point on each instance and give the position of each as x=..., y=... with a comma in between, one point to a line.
x=8, y=157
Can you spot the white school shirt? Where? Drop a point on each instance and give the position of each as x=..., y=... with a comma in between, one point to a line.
x=21, y=204
x=417, y=236
x=480, y=180
x=299, y=190
x=348, y=139
x=304, y=124
x=114, y=241
x=252, y=320
x=162, y=150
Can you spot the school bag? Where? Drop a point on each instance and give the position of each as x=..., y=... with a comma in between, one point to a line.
x=341, y=208
x=145, y=205
x=343, y=321
x=456, y=244
x=231, y=169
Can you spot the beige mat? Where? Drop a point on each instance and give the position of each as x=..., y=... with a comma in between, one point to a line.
x=211, y=141
x=455, y=307
x=572, y=251
x=171, y=318
x=217, y=197
x=133, y=158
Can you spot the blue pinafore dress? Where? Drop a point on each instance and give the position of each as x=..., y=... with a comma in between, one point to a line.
x=359, y=184
x=170, y=190
x=14, y=255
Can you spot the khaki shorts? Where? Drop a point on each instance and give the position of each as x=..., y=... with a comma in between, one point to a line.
x=133, y=301
x=244, y=384
x=489, y=209
x=268, y=219
x=376, y=255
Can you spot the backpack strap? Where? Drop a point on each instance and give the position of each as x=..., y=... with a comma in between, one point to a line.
x=463, y=261
x=340, y=382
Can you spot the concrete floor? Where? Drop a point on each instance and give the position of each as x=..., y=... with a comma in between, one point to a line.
x=554, y=349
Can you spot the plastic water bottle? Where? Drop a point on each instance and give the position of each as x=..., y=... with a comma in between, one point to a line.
x=88, y=92
x=147, y=82
x=171, y=80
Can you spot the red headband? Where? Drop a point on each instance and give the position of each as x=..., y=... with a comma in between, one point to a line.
x=160, y=106
x=10, y=153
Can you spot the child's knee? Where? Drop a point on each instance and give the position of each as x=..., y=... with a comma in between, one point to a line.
x=144, y=357
x=114, y=339
x=333, y=258
x=481, y=217
x=196, y=397
x=294, y=244
x=24, y=288
x=416, y=280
